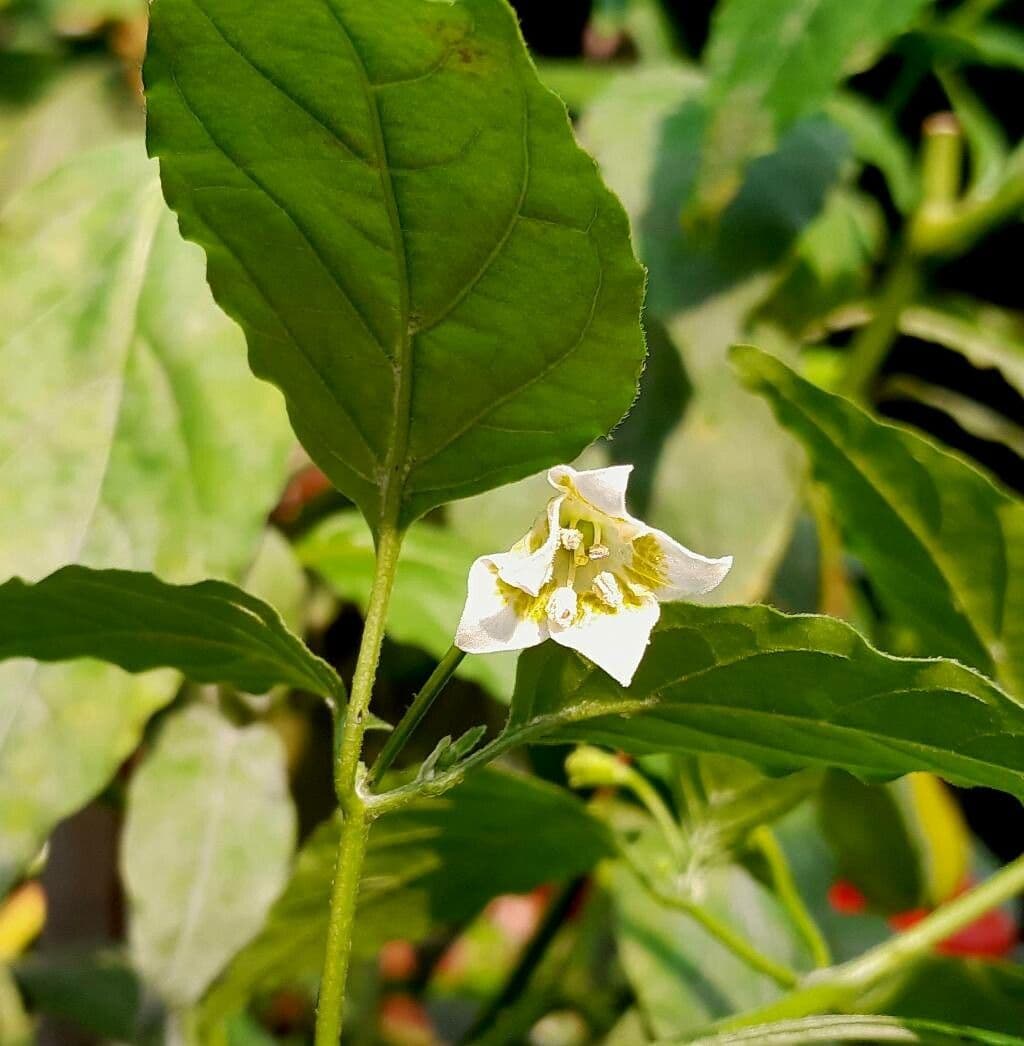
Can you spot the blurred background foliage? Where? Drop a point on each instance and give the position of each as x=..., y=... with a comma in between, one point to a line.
x=841, y=184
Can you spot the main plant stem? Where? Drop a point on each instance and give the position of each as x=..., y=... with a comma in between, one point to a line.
x=347, y=782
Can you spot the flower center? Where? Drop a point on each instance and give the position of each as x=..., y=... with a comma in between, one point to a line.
x=561, y=608
x=607, y=587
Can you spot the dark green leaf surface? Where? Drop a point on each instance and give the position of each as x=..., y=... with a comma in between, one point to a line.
x=213, y=632
x=943, y=545
x=421, y=256
x=438, y=861
x=208, y=835
x=782, y=692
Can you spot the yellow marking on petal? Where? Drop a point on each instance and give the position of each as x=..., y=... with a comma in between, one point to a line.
x=525, y=606
x=649, y=563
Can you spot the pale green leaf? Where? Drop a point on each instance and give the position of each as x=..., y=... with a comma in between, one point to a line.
x=436, y=862
x=276, y=576
x=782, y=692
x=944, y=546
x=131, y=435
x=859, y=1029
x=430, y=587
x=207, y=841
x=684, y=978
x=211, y=631
x=421, y=256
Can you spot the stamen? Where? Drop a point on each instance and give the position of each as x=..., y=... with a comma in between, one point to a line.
x=561, y=608
x=608, y=589
x=599, y=552
x=570, y=538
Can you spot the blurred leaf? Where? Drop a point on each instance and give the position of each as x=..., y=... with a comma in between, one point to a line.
x=753, y=100
x=97, y=991
x=207, y=840
x=438, y=861
x=987, y=336
x=84, y=107
x=997, y=44
x=857, y=1029
x=782, y=692
x=876, y=141
x=726, y=480
x=276, y=576
x=15, y=1024
x=833, y=263
x=913, y=822
x=985, y=137
x=212, y=632
x=422, y=360
x=973, y=417
x=127, y=416
x=683, y=977
x=976, y=992
x=943, y=545
x=429, y=592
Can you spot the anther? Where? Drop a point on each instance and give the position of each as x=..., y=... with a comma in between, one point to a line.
x=607, y=588
x=599, y=552
x=561, y=608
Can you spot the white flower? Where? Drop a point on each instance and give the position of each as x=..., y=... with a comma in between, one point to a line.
x=587, y=575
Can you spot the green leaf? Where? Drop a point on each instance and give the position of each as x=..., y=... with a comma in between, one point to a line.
x=85, y=106
x=683, y=977
x=437, y=861
x=422, y=359
x=876, y=141
x=212, y=632
x=131, y=435
x=96, y=990
x=209, y=832
x=726, y=480
x=813, y=46
x=987, y=337
x=857, y=1029
x=276, y=576
x=429, y=591
x=782, y=692
x=943, y=545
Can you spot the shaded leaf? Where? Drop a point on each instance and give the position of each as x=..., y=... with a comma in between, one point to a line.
x=725, y=481
x=212, y=632
x=782, y=692
x=942, y=544
x=419, y=366
x=437, y=861
x=209, y=833
x=812, y=46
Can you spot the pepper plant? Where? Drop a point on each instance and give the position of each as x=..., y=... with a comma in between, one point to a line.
x=441, y=293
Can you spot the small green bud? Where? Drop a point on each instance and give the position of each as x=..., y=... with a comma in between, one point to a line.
x=590, y=767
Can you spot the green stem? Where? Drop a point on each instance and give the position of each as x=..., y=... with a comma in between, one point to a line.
x=838, y=989
x=525, y=968
x=722, y=932
x=415, y=713
x=786, y=889
x=872, y=344
x=354, y=829
x=648, y=795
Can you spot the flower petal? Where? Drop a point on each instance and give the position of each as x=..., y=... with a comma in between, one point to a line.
x=605, y=489
x=615, y=642
x=490, y=622
x=530, y=571
x=687, y=573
